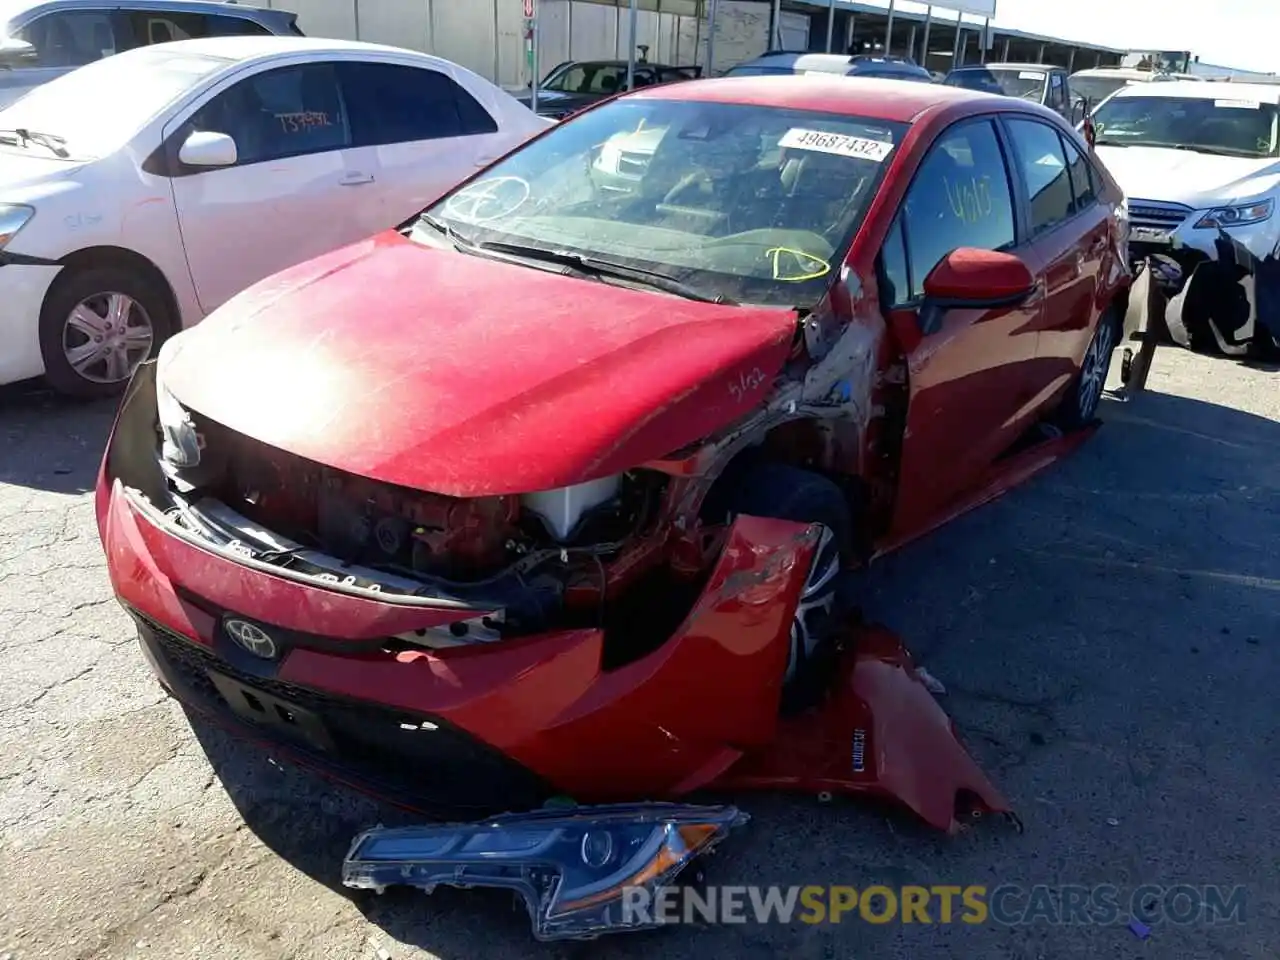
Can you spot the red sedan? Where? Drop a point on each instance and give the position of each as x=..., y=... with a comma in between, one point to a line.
x=559, y=489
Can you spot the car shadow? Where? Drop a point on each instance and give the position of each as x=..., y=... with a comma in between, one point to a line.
x=1072, y=623
x=49, y=442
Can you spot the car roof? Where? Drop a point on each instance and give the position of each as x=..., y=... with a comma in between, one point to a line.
x=827, y=62
x=871, y=97
x=1198, y=90
x=12, y=9
x=239, y=49
x=1041, y=67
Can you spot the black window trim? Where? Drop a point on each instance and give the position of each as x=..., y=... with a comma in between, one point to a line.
x=1025, y=190
x=1017, y=198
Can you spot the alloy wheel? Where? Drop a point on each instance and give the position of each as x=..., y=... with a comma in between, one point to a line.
x=817, y=602
x=1094, y=369
x=106, y=337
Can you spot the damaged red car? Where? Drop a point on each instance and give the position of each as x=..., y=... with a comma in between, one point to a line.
x=562, y=488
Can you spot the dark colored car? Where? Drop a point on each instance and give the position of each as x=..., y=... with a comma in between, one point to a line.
x=576, y=84
x=1038, y=83
x=559, y=489
x=43, y=39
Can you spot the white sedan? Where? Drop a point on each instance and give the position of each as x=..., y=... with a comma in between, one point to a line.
x=141, y=191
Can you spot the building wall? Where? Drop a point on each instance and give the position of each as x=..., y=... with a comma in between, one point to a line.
x=487, y=36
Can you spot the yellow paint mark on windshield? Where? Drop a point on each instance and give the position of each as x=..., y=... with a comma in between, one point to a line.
x=806, y=265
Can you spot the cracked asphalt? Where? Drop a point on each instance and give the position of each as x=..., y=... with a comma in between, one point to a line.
x=1107, y=633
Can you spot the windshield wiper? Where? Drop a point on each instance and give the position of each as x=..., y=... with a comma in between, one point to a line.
x=600, y=269
x=21, y=136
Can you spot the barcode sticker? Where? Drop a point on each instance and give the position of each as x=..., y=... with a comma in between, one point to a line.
x=839, y=144
x=1030, y=75
x=1239, y=104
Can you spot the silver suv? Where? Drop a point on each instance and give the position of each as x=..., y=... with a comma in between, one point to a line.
x=43, y=39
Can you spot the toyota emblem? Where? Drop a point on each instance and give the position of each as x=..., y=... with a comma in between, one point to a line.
x=251, y=637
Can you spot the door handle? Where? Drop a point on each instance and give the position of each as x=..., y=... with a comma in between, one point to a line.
x=356, y=179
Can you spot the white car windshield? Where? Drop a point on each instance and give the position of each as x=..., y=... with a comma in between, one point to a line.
x=1232, y=125
x=749, y=203
x=96, y=109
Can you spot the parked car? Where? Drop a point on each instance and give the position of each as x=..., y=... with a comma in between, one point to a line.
x=43, y=39
x=782, y=62
x=143, y=190
x=554, y=491
x=575, y=84
x=1199, y=163
x=1038, y=83
x=1097, y=84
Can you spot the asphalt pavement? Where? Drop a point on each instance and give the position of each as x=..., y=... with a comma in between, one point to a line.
x=1107, y=635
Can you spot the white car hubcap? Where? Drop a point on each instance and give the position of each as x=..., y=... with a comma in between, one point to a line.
x=817, y=602
x=106, y=337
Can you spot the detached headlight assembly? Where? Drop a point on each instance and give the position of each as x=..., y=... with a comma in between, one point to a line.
x=581, y=872
x=13, y=217
x=1240, y=216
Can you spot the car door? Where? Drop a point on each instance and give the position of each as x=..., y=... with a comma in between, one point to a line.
x=61, y=40
x=416, y=132
x=292, y=193
x=1069, y=230
x=969, y=383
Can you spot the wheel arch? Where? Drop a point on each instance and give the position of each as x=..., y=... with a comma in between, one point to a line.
x=111, y=256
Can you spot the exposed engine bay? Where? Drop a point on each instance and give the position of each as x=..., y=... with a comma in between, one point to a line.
x=543, y=559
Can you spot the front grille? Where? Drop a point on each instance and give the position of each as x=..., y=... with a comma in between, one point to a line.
x=1158, y=214
x=416, y=760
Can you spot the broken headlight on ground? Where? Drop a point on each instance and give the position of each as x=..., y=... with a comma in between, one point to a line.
x=581, y=872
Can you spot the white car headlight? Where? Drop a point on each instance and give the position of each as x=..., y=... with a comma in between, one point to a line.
x=181, y=446
x=13, y=217
x=1238, y=216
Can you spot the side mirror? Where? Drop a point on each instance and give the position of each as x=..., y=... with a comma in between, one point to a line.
x=204, y=149
x=16, y=53
x=972, y=279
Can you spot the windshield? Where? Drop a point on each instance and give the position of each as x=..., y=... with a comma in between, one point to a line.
x=593, y=78
x=1243, y=128
x=98, y=108
x=753, y=204
x=1096, y=89
x=1027, y=84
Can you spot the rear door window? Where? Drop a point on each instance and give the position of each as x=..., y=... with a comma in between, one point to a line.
x=959, y=197
x=1083, y=186
x=1043, y=165
x=389, y=103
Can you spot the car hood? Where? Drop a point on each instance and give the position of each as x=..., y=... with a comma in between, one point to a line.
x=28, y=173
x=1198, y=180
x=466, y=376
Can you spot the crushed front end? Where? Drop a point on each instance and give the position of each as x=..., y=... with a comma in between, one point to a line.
x=1219, y=278
x=458, y=656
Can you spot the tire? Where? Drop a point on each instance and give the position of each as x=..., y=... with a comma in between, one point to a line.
x=1080, y=405
x=782, y=492
x=89, y=302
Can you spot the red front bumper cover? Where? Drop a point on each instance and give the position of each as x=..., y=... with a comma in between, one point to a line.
x=475, y=730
